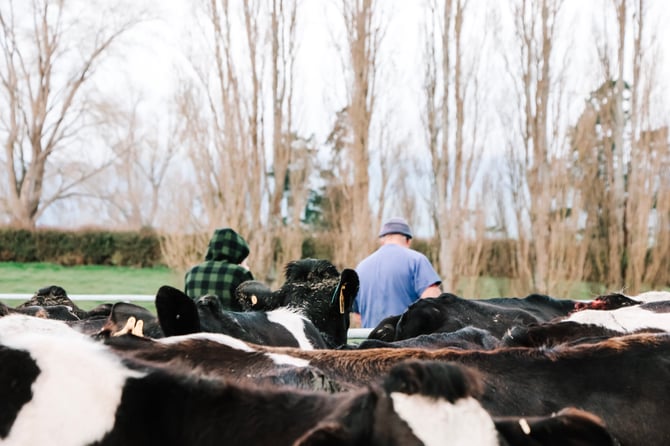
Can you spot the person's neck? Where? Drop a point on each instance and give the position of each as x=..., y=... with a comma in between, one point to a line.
x=396, y=239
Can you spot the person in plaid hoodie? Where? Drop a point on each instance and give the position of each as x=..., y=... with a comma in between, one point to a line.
x=222, y=271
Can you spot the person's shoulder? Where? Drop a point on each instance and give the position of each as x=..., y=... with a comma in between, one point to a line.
x=418, y=255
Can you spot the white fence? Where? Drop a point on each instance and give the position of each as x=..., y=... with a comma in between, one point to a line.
x=354, y=334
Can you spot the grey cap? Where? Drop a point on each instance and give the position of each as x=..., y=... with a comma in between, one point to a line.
x=395, y=225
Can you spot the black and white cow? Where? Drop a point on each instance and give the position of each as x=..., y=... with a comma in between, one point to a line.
x=614, y=301
x=233, y=359
x=627, y=319
x=449, y=312
x=314, y=312
x=316, y=289
x=623, y=380
x=178, y=314
x=59, y=386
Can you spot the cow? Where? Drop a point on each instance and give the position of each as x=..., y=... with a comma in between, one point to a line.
x=51, y=302
x=254, y=295
x=386, y=329
x=178, y=314
x=108, y=401
x=58, y=312
x=607, y=302
x=623, y=380
x=449, y=312
x=615, y=301
x=551, y=334
x=627, y=319
x=55, y=296
x=604, y=317
x=316, y=289
x=467, y=338
x=570, y=426
x=316, y=301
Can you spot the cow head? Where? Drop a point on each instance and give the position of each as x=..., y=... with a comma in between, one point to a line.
x=427, y=316
x=404, y=410
x=607, y=302
x=317, y=290
x=253, y=295
x=52, y=295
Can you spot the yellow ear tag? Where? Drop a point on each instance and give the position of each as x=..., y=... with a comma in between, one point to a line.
x=342, y=299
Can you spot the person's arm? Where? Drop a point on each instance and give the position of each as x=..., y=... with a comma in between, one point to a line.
x=432, y=291
x=354, y=320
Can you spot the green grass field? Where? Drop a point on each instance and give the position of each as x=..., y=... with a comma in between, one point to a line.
x=26, y=278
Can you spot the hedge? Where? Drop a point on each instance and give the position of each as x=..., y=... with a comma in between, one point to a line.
x=85, y=247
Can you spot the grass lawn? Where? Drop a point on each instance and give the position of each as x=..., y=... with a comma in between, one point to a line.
x=26, y=278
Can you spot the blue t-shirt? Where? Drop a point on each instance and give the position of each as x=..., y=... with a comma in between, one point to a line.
x=391, y=278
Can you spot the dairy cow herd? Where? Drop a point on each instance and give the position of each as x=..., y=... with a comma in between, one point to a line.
x=448, y=371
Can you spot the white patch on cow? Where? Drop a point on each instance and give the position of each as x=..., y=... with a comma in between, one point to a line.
x=79, y=387
x=16, y=324
x=294, y=323
x=281, y=359
x=436, y=421
x=625, y=319
x=652, y=296
x=219, y=338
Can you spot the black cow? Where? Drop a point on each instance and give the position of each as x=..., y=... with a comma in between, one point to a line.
x=314, y=312
x=468, y=338
x=51, y=296
x=449, y=312
x=568, y=427
x=551, y=334
x=50, y=302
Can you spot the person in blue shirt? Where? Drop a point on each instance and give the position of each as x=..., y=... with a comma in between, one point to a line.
x=393, y=277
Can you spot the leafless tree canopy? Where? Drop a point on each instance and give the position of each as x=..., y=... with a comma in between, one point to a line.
x=525, y=140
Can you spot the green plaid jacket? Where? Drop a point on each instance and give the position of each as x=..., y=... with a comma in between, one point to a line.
x=220, y=273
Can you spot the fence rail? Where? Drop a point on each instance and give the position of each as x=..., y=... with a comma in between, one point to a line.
x=354, y=334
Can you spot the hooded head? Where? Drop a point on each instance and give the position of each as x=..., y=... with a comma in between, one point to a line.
x=228, y=246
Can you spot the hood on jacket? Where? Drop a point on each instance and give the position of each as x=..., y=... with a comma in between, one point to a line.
x=228, y=246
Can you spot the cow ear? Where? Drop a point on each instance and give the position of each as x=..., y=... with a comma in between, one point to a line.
x=347, y=288
x=177, y=313
x=324, y=434
x=121, y=312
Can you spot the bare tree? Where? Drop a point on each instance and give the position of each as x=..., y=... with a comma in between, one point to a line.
x=451, y=115
x=44, y=76
x=351, y=196
x=243, y=144
x=538, y=188
x=622, y=147
x=144, y=152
